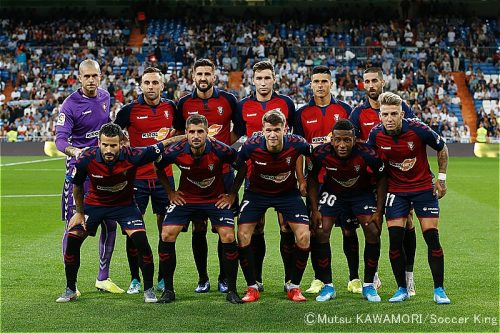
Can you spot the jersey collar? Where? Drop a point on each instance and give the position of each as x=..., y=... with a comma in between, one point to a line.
x=333, y=100
x=253, y=96
x=215, y=94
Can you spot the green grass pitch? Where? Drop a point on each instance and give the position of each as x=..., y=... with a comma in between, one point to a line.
x=32, y=272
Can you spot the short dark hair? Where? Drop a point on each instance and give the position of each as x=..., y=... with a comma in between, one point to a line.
x=377, y=70
x=111, y=130
x=321, y=70
x=202, y=63
x=263, y=65
x=148, y=70
x=274, y=117
x=344, y=125
x=197, y=119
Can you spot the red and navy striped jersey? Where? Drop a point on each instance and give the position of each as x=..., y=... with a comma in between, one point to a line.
x=364, y=118
x=315, y=123
x=251, y=111
x=347, y=174
x=273, y=173
x=201, y=178
x=406, y=156
x=112, y=184
x=146, y=125
x=220, y=110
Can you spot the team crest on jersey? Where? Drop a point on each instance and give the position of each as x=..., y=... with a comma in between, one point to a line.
x=211, y=167
x=411, y=145
x=336, y=116
x=220, y=109
x=357, y=167
x=166, y=114
x=104, y=107
x=288, y=160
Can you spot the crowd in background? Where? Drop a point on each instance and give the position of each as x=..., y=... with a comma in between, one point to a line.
x=40, y=60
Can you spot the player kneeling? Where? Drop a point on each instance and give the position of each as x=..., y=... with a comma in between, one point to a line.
x=111, y=168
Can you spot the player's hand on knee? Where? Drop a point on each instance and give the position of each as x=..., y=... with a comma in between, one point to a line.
x=376, y=218
x=77, y=219
x=176, y=198
x=225, y=201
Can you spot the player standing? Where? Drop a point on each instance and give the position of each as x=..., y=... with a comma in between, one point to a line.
x=219, y=107
x=148, y=119
x=81, y=116
x=403, y=144
x=272, y=183
x=199, y=196
x=364, y=118
x=251, y=110
x=314, y=121
x=347, y=191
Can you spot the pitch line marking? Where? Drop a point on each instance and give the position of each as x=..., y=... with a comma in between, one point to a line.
x=31, y=162
x=29, y=195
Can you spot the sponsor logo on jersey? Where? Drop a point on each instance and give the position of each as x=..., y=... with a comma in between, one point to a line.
x=346, y=183
x=411, y=145
x=311, y=121
x=369, y=124
x=260, y=163
x=142, y=117
x=214, y=129
x=93, y=134
x=320, y=139
x=95, y=176
x=163, y=133
x=149, y=135
x=385, y=148
x=87, y=112
x=115, y=188
x=61, y=118
x=202, y=183
x=406, y=165
x=220, y=109
x=279, y=178
x=184, y=167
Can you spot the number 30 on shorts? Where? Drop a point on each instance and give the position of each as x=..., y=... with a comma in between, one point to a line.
x=327, y=198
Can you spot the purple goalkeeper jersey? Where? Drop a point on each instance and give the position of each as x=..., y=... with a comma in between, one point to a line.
x=80, y=119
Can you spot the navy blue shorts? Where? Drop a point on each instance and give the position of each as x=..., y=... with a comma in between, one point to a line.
x=254, y=206
x=344, y=207
x=181, y=215
x=145, y=188
x=128, y=217
x=398, y=205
